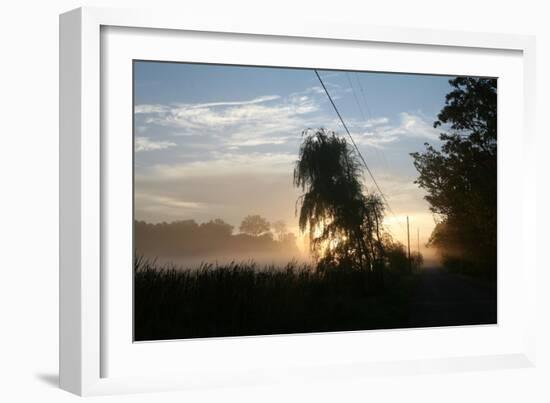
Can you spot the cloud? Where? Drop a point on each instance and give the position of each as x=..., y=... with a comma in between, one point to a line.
x=376, y=121
x=161, y=206
x=162, y=109
x=253, y=142
x=378, y=132
x=229, y=115
x=268, y=119
x=257, y=100
x=146, y=144
x=148, y=108
x=167, y=202
x=224, y=164
x=416, y=126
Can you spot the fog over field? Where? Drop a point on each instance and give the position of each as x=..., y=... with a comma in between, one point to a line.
x=222, y=141
x=275, y=200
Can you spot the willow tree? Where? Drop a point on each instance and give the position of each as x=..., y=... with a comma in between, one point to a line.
x=342, y=221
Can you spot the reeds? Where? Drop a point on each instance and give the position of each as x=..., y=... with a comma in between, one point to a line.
x=243, y=298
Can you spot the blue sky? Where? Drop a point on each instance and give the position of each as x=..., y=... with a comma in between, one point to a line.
x=220, y=141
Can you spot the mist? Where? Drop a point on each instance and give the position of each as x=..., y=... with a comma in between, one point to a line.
x=188, y=244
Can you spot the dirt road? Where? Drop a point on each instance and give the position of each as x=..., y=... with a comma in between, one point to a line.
x=444, y=299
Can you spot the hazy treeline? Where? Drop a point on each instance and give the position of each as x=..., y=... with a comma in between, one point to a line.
x=213, y=239
x=359, y=276
x=460, y=178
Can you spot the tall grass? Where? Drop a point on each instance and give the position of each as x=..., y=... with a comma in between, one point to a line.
x=239, y=299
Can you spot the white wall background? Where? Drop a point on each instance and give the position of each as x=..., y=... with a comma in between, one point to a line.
x=29, y=200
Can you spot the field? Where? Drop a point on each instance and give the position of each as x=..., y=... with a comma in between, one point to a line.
x=315, y=179
x=240, y=299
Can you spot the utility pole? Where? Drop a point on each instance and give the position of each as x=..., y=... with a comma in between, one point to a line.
x=409, y=245
x=418, y=240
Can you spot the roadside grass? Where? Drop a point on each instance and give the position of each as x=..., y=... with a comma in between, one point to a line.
x=242, y=299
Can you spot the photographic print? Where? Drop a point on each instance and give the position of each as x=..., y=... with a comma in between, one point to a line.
x=274, y=200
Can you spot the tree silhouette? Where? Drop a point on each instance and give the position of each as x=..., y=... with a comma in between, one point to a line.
x=212, y=239
x=343, y=223
x=461, y=178
x=280, y=229
x=288, y=238
x=217, y=228
x=254, y=225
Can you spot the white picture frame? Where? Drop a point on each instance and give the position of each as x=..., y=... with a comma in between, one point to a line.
x=87, y=312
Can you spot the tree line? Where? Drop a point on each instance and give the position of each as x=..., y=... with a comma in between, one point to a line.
x=344, y=220
x=187, y=238
x=460, y=178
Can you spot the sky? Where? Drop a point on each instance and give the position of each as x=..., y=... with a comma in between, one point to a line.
x=216, y=141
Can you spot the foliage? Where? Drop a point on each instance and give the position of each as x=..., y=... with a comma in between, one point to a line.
x=397, y=257
x=287, y=238
x=240, y=299
x=254, y=225
x=343, y=223
x=210, y=239
x=461, y=178
x=280, y=229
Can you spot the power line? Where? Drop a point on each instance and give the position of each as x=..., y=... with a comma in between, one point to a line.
x=364, y=96
x=409, y=245
x=356, y=99
x=353, y=142
x=380, y=156
x=371, y=115
x=349, y=134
